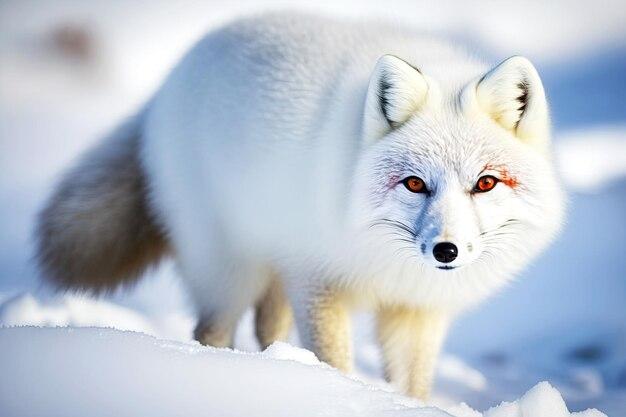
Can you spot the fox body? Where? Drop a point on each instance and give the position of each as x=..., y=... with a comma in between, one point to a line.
x=327, y=165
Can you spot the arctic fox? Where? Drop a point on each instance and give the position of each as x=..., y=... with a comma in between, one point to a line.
x=294, y=160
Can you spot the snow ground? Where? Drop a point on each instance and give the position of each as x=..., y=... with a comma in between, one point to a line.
x=98, y=371
x=564, y=320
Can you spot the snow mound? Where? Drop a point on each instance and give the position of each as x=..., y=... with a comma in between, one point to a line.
x=286, y=352
x=103, y=372
x=70, y=310
x=543, y=400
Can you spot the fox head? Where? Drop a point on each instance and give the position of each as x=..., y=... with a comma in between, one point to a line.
x=457, y=179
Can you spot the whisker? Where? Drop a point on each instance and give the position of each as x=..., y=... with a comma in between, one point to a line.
x=507, y=223
x=394, y=223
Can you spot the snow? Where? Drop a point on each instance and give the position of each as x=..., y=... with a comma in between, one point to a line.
x=100, y=372
x=541, y=400
x=70, y=311
x=286, y=352
x=588, y=168
x=563, y=321
x=64, y=356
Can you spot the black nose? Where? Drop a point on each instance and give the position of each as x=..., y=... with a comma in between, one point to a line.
x=445, y=252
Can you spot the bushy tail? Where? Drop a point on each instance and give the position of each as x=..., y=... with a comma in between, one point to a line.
x=97, y=230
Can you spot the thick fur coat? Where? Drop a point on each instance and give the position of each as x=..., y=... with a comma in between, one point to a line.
x=334, y=164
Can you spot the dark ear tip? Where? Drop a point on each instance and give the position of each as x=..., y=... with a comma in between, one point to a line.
x=390, y=58
x=383, y=91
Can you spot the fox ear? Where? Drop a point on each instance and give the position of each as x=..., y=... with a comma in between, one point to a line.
x=396, y=90
x=513, y=96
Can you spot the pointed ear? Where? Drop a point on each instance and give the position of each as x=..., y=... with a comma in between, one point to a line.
x=396, y=90
x=513, y=96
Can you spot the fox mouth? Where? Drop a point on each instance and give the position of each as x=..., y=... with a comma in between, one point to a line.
x=446, y=267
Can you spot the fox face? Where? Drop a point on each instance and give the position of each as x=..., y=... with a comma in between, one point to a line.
x=457, y=180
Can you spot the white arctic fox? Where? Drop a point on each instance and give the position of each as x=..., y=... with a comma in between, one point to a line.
x=337, y=165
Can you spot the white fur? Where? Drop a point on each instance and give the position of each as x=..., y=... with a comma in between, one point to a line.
x=264, y=147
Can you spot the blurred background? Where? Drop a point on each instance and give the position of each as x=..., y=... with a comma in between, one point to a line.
x=69, y=70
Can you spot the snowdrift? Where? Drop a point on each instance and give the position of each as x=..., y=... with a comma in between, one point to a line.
x=103, y=372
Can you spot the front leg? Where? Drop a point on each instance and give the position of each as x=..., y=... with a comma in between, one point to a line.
x=324, y=326
x=410, y=341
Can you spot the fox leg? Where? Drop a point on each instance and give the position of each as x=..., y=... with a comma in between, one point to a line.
x=222, y=293
x=216, y=331
x=273, y=315
x=411, y=340
x=324, y=326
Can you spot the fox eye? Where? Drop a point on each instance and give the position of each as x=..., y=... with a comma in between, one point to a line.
x=485, y=183
x=414, y=184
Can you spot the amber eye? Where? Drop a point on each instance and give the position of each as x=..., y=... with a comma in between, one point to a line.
x=485, y=183
x=414, y=184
